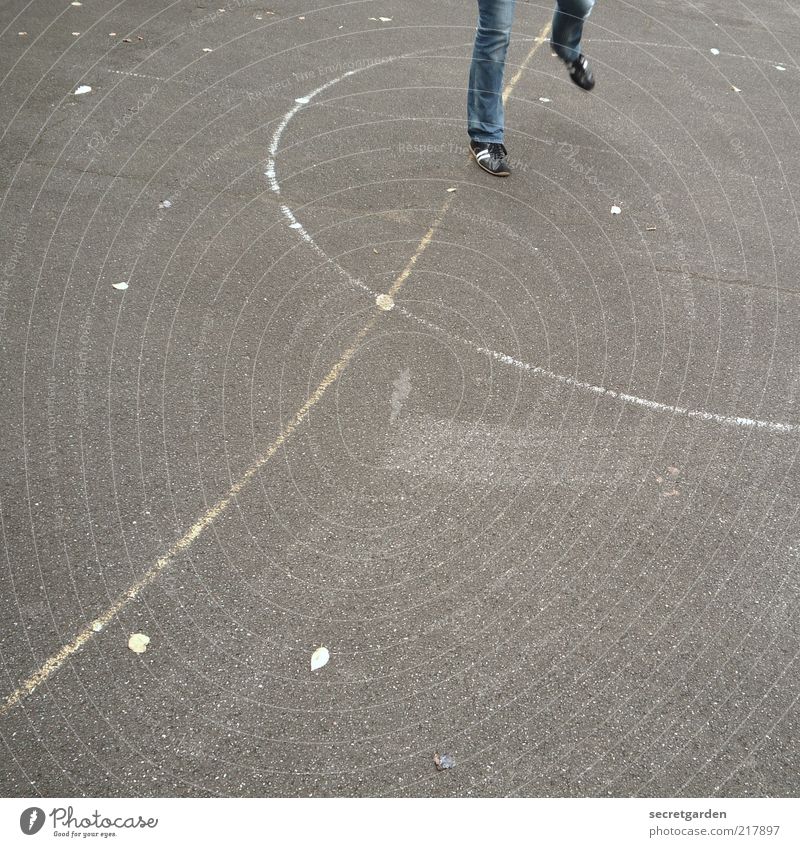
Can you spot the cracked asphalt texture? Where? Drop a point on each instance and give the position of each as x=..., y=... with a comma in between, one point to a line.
x=569, y=594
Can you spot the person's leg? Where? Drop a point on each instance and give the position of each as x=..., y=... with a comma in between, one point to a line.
x=568, y=20
x=485, y=114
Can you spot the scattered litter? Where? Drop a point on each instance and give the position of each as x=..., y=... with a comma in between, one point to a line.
x=97, y=626
x=112, y=34
x=76, y=33
x=374, y=250
x=737, y=90
x=443, y=762
x=544, y=100
x=259, y=17
x=76, y=3
x=208, y=50
x=451, y=190
x=319, y=658
x=22, y=33
x=383, y=20
x=780, y=68
x=714, y=51
x=302, y=100
x=615, y=210
x=120, y=286
x=301, y=18
x=127, y=40
x=138, y=642
x=82, y=89
x=384, y=302
x=165, y=204
x=651, y=229
x=140, y=38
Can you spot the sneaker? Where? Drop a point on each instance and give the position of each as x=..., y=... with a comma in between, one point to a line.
x=492, y=157
x=580, y=72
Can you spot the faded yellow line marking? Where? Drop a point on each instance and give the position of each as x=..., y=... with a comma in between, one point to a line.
x=98, y=624
x=540, y=39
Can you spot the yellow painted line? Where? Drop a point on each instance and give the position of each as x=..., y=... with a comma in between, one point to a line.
x=98, y=624
x=540, y=39
x=202, y=523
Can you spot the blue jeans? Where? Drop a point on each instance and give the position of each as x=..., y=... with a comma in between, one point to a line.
x=485, y=114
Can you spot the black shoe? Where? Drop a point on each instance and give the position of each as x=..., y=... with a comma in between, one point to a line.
x=580, y=72
x=493, y=158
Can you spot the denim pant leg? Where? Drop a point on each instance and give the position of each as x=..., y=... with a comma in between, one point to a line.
x=568, y=22
x=485, y=117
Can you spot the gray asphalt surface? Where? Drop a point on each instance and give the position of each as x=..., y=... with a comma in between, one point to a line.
x=570, y=592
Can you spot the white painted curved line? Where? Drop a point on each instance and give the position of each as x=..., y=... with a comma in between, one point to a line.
x=568, y=381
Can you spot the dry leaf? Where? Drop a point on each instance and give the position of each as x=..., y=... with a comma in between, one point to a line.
x=319, y=658
x=138, y=642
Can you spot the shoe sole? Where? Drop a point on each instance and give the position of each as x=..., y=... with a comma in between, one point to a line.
x=493, y=173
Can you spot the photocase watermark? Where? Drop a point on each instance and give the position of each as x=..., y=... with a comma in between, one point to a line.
x=570, y=152
x=65, y=823
x=451, y=148
x=52, y=446
x=99, y=142
x=19, y=236
x=680, y=248
x=199, y=379
x=710, y=112
x=327, y=71
x=218, y=13
x=32, y=820
x=84, y=340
